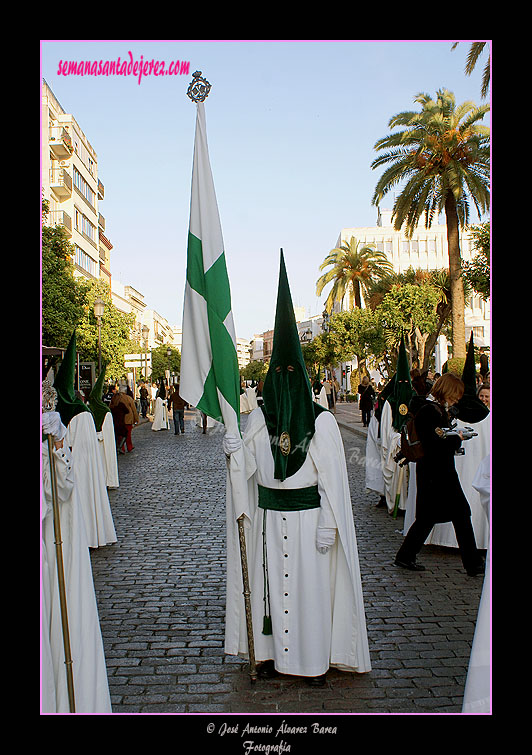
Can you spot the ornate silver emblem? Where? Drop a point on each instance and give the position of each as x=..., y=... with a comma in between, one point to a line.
x=199, y=88
x=284, y=444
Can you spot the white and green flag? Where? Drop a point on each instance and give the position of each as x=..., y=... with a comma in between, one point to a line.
x=209, y=364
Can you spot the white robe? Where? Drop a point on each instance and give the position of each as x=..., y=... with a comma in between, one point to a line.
x=107, y=445
x=91, y=689
x=374, y=478
x=316, y=599
x=390, y=445
x=90, y=477
x=476, y=449
x=160, y=415
x=478, y=683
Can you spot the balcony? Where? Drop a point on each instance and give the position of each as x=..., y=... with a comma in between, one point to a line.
x=62, y=218
x=101, y=221
x=101, y=190
x=60, y=143
x=60, y=182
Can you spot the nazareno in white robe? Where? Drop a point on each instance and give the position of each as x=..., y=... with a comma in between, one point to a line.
x=374, y=477
x=316, y=600
x=390, y=445
x=91, y=689
x=477, y=692
x=90, y=477
x=107, y=446
x=160, y=415
x=476, y=449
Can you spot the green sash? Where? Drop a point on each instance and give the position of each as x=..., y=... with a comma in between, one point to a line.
x=294, y=499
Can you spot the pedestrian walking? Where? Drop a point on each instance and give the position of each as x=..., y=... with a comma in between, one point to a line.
x=366, y=400
x=178, y=406
x=144, y=400
x=118, y=411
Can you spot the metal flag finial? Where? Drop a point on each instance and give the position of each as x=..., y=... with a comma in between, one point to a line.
x=199, y=88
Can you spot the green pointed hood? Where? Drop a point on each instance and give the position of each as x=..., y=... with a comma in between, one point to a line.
x=68, y=405
x=98, y=408
x=470, y=408
x=289, y=409
x=402, y=392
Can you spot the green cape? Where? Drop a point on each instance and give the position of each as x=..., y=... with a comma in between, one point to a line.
x=289, y=409
x=68, y=405
x=402, y=391
x=98, y=408
x=470, y=408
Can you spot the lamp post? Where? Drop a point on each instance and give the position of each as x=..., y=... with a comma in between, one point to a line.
x=168, y=354
x=99, y=307
x=145, y=332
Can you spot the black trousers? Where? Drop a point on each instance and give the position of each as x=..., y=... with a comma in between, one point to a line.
x=465, y=536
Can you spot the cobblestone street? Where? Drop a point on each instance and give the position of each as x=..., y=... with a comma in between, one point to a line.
x=161, y=598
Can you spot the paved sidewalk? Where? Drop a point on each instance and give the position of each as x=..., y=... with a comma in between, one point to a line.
x=161, y=596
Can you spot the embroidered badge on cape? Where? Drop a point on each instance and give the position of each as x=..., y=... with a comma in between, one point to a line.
x=284, y=443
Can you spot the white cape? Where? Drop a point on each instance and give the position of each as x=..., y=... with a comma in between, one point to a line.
x=476, y=449
x=91, y=689
x=307, y=639
x=374, y=477
x=89, y=474
x=107, y=445
x=478, y=683
x=160, y=415
x=390, y=445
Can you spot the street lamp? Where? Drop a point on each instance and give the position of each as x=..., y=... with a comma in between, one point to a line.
x=145, y=332
x=168, y=354
x=99, y=307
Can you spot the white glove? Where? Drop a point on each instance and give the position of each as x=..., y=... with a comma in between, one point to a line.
x=231, y=443
x=52, y=425
x=325, y=538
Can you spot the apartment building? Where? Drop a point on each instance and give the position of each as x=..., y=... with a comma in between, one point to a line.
x=71, y=184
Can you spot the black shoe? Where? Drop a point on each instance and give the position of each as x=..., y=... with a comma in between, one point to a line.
x=266, y=670
x=317, y=681
x=412, y=565
x=476, y=570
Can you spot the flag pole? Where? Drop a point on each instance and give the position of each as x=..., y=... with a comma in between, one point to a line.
x=61, y=578
x=198, y=91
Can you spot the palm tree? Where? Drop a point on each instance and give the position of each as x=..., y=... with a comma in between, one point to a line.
x=353, y=268
x=442, y=155
x=475, y=51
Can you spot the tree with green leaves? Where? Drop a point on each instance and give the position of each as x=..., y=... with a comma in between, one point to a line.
x=63, y=298
x=255, y=370
x=411, y=310
x=160, y=361
x=353, y=267
x=442, y=155
x=116, y=328
x=477, y=271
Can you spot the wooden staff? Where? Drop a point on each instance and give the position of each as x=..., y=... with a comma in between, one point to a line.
x=247, y=601
x=61, y=577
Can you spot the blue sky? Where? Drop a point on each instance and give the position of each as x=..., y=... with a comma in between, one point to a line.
x=291, y=128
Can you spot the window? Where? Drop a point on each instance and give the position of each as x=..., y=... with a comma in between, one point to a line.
x=83, y=187
x=84, y=226
x=83, y=260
